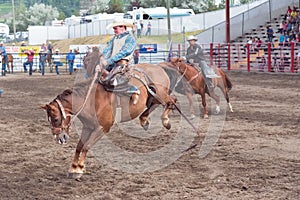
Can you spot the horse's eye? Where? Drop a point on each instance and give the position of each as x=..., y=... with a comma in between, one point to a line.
x=55, y=120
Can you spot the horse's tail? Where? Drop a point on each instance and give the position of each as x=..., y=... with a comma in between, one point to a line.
x=228, y=82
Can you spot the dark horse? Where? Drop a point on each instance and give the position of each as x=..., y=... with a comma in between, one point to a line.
x=96, y=110
x=195, y=80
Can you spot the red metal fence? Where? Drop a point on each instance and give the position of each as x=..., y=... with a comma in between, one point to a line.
x=270, y=57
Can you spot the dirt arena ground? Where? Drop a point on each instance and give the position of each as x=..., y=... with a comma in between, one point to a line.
x=257, y=155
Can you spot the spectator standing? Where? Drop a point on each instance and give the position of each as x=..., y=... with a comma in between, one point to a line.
x=138, y=30
x=50, y=47
x=136, y=56
x=3, y=58
x=250, y=43
x=134, y=28
x=70, y=60
x=23, y=44
x=42, y=61
x=282, y=27
x=142, y=25
x=49, y=51
x=282, y=39
x=56, y=60
x=43, y=46
x=258, y=43
x=148, y=32
x=29, y=61
x=270, y=33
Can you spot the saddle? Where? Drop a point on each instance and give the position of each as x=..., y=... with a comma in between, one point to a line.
x=117, y=81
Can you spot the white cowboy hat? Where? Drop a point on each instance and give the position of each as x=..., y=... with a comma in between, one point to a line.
x=56, y=49
x=41, y=49
x=191, y=37
x=119, y=22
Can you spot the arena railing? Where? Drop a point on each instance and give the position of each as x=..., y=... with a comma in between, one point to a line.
x=269, y=57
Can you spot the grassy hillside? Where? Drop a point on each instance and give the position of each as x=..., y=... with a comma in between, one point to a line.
x=5, y=10
x=63, y=45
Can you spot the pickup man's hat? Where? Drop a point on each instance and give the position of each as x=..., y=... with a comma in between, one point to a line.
x=191, y=37
x=119, y=22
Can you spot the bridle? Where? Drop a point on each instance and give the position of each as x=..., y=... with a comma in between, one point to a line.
x=64, y=117
x=183, y=74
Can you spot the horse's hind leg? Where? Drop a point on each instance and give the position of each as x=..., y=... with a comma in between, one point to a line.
x=213, y=95
x=144, y=117
x=165, y=116
x=226, y=95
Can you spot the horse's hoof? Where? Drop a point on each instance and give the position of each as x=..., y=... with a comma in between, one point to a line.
x=168, y=126
x=76, y=176
x=205, y=116
x=192, y=116
x=146, y=126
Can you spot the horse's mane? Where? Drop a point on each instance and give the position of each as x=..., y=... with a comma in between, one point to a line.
x=91, y=60
x=63, y=96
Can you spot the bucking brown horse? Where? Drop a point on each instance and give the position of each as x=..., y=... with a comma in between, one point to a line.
x=195, y=80
x=96, y=108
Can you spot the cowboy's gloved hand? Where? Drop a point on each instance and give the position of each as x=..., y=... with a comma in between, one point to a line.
x=98, y=68
x=104, y=63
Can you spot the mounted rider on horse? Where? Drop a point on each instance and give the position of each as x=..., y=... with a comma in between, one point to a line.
x=116, y=57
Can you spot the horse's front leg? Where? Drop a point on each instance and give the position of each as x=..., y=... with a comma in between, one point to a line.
x=202, y=93
x=88, y=138
x=75, y=171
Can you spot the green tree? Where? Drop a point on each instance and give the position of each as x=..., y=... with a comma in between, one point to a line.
x=40, y=14
x=153, y=3
x=115, y=6
x=99, y=6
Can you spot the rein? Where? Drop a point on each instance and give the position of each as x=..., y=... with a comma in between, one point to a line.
x=193, y=78
x=179, y=79
x=87, y=95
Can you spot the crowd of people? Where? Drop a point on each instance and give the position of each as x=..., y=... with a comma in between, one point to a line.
x=288, y=31
x=138, y=27
x=46, y=57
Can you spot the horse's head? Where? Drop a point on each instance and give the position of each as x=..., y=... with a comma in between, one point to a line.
x=59, y=117
x=179, y=63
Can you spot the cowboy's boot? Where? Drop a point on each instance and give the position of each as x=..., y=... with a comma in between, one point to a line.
x=135, y=94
